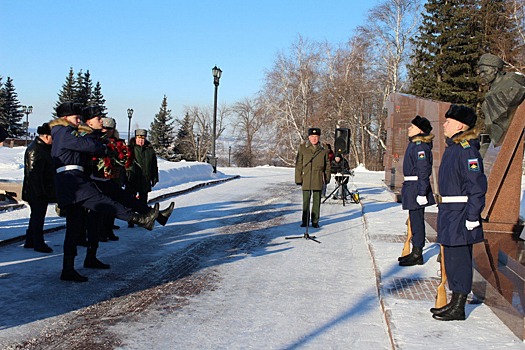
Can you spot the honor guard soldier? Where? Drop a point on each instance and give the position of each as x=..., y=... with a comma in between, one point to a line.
x=462, y=187
x=312, y=171
x=71, y=152
x=416, y=191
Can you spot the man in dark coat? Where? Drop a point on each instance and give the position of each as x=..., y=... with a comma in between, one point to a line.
x=71, y=152
x=340, y=166
x=312, y=171
x=38, y=188
x=144, y=173
x=462, y=187
x=416, y=191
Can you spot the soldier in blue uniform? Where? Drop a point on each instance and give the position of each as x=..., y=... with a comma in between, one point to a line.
x=462, y=187
x=71, y=151
x=416, y=191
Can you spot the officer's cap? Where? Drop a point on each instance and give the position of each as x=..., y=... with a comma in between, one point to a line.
x=141, y=132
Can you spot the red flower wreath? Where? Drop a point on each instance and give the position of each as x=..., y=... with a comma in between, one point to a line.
x=119, y=155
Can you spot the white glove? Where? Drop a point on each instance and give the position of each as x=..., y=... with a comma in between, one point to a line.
x=421, y=200
x=471, y=225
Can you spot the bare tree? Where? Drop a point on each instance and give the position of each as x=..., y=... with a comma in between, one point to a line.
x=389, y=27
x=517, y=16
x=352, y=98
x=290, y=95
x=202, y=119
x=249, y=118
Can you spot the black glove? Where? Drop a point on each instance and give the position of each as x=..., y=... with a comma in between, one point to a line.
x=298, y=183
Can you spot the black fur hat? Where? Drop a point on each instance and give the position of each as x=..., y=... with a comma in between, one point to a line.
x=314, y=131
x=463, y=114
x=91, y=112
x=422, y=123
x=44, y=129
x=69, y=108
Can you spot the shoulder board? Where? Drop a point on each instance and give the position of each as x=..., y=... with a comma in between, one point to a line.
x=465, y=144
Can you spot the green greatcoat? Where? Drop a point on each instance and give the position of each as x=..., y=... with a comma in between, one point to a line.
x=144, y=172
x=319, y=167
x=312, y=171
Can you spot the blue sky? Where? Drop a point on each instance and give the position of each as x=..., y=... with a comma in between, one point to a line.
x=143, y=50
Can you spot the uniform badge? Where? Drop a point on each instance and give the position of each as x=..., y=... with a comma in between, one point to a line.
x=465, y=144
x=421, y=155
x=473, y=164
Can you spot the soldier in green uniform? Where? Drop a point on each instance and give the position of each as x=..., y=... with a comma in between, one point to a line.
x=312, y=171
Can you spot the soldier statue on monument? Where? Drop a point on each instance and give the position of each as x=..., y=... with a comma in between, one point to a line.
x=505, y=94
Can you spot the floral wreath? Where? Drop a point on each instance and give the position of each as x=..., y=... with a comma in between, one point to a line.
x=119, y=155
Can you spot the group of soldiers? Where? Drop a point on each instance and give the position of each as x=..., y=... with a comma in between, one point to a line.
x=462, y=184
x=78, y=161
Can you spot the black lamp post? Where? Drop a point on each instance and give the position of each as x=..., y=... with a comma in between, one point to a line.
x=130, y=115
x=27, y=110
x=217, y=72
x=229, y=154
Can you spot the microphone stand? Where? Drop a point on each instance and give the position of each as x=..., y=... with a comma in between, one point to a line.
x=306, y=235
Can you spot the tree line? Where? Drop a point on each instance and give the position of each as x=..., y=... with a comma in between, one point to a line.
x=427, y=49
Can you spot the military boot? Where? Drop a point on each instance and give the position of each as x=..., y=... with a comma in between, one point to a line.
x=414, y=258
x=91, y=261
x=456, y=311
x=440, y=310
x=68, y=270
x=165, y=214
x=146, y=220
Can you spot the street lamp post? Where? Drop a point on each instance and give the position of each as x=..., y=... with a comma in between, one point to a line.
x=27, y=110
x=229, y=154
x=130, y=115
x=198, y=148
x=217, y=72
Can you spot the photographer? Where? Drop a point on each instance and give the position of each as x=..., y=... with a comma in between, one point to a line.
x=340, y=166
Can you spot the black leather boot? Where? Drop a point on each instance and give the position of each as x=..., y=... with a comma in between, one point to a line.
x=91, y=261
x=439, y=310
x=146, y=220
x=165, y=214
x=414, y=258
x=68, y=270
x=456, y=311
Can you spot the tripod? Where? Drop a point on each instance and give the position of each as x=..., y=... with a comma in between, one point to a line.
x=342, y=180
x=310, y=197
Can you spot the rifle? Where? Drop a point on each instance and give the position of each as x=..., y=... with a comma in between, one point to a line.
x=441, y=297
x=406, y=246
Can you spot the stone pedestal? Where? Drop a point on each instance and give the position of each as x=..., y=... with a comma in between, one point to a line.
x=500, y=261
x=402, y=109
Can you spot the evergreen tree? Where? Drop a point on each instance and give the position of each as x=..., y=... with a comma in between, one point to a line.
x=97, y=98
x=3, y=119
x=84, y=88
x=184, y=143
x=80, y=89
x=446, y=52
x=12, y=111
x=162, y=132
x=68, y=91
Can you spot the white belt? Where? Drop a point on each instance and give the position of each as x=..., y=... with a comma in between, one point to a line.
x=69, y=167
x=410, y=178
x=454, y=199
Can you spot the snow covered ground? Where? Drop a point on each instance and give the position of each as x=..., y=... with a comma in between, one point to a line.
x=222, y=275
